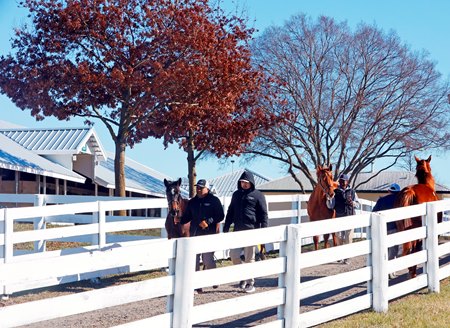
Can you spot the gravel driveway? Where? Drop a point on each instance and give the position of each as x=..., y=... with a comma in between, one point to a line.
x=143, y=309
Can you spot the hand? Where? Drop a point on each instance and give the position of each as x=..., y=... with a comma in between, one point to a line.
x=203, y=224
x=176, y=220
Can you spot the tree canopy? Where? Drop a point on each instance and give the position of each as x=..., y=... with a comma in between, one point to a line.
x=355, y=97
x=145, y=68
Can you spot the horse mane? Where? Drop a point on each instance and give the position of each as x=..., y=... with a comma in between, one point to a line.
x=423, y=172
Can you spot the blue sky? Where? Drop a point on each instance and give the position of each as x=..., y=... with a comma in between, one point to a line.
x=420, y=24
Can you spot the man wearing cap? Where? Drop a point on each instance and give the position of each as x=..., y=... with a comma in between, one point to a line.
x=204, y=212
x=344, y=202
x=247, y=210
x=387, y=203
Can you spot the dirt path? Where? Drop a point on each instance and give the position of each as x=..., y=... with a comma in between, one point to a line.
x=140, y=310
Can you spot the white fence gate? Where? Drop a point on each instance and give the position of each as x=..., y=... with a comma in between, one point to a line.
x=24, y=272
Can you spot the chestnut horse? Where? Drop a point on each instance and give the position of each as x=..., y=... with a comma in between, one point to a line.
x=176, y=207
x=419, y=193
x=317, y=208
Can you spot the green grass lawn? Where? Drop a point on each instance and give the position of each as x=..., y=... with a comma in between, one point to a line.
x=55, y=245
x=417, y=310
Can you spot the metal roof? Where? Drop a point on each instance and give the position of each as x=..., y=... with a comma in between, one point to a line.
x=226, y=184
x=138, y=178
x=15, y=157
x=56, y=141
x=379, y=183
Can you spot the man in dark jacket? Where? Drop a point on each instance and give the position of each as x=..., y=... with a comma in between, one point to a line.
x=344, y=202
x=247, y=210
x=387, y=203
x=204, y=212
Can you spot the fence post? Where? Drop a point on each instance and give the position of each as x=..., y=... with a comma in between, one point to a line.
x=96, y=219
x=369, y=260
x=39, y=223
x=164, y=212
x=282, y=279
x=101, y=225
x=184, y=283
x=293, y=251
x=431, y=244
x=380, y=282
x=170, y=298
x=297, y=205
x=9, y=230
x=2, y=232
x=8, y=248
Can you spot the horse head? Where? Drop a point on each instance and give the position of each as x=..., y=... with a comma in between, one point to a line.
x=325, y=180
x=173, y=195
x=423, y=171
x=423, y=164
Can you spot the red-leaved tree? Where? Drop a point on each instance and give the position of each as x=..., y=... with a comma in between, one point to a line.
x=215, y=107
x=174, y=69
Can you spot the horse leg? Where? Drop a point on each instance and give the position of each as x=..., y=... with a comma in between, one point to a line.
x=168, y=228
x=325, y=239
x=178, y=229
x=408, y=248
x=412, y=270
x=416, y=247
x=262, y=252
x=316, y=242
x=335, y=239
x=185, y=230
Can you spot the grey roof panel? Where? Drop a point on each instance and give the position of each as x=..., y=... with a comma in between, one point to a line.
x=380, y=182
x=138, y=177
x=17, y=158
x=51, y=141
x=226, y=184
x=47, y=139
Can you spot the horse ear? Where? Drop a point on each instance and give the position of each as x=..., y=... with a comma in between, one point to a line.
x=417, y=159
x=429, y=159
x=179, y=182
x=166, y=182
x=330, y=167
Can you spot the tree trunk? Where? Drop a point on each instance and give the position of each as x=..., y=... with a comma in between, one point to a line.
x=192, y=172
x=119, y=172
x=119, y=169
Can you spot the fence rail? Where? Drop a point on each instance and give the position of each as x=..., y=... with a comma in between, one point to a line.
x=55, y=267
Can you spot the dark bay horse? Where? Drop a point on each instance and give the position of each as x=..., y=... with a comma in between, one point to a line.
x=176, y=207
x=317, y=208
x=422, y=192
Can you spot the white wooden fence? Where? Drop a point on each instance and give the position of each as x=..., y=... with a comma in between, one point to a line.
x=23, y=272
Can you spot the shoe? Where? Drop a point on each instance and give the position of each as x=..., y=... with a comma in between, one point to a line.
x=216, y=286
x=198, y=291
x=249, y=289
x=242, y=284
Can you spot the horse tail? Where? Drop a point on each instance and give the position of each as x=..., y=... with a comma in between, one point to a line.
x=405, y=198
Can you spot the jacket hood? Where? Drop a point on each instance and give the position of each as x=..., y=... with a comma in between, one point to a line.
x=249, y=177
